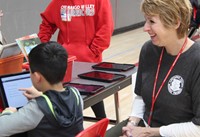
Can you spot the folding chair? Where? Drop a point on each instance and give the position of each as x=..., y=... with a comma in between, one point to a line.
x=96, y=130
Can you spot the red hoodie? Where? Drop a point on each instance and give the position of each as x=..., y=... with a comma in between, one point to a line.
x=85, y=27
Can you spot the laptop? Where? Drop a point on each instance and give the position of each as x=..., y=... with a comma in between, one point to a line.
x=9, y=85
x=8, y=50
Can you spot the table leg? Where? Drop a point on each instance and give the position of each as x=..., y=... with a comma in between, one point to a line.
x=117, y=107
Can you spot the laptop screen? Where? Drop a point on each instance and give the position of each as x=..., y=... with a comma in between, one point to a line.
x=10, y=49
x=9, y=85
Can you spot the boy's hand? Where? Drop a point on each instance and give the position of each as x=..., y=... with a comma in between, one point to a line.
x=12, y=109
x=31, y=92
x=8, y=111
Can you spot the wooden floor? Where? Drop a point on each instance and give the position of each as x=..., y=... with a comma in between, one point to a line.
x=124, y=48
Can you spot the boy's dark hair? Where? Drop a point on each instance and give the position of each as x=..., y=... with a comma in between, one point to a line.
x=49, y=59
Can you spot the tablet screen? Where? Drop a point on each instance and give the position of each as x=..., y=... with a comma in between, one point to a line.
x=101, y=76
x=113, y=66
x=10, y=84
x=86, y=89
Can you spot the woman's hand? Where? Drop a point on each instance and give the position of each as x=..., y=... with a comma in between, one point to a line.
x=134, y=131
x=127, y=130
x=31, y=92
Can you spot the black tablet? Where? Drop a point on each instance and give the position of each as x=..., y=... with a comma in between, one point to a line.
x=101, y=76
x=9, y=85
x=109, y=66
x=86, y=89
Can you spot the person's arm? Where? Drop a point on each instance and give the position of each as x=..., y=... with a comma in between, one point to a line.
x=134, y=131
x=31, y=93
x=104, y=27
x=47, y=28
x=137, y=112
x=187, y=129
x=138, y=109
x=25, y=119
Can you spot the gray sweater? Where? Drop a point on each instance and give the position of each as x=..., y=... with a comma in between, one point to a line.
x=37, y=118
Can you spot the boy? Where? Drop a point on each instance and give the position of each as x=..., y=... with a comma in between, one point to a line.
x=55, y=111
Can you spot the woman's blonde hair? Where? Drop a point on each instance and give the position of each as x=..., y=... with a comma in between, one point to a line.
x=170, y=12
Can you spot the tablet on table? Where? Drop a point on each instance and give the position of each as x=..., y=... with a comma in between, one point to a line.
x=101, y=76
x=86, y=89
x=110, y=66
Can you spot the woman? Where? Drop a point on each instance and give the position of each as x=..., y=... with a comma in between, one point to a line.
x=168, y=78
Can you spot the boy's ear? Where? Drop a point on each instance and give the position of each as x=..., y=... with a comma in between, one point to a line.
x=37, y=76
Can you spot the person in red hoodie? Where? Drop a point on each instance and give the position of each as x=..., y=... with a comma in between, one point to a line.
x=84, y=28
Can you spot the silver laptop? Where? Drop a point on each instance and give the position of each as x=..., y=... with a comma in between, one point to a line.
x=9, y=50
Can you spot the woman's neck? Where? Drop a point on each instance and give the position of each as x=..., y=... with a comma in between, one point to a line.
x=174, y=47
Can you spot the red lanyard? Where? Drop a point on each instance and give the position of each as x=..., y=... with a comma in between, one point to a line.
x=154, y=94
